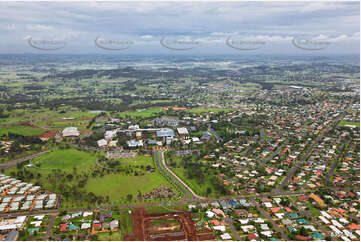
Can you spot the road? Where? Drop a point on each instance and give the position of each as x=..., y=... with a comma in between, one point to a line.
x=50, y=227
x=334, y=165
x=12, y=163
x=184, y=188
x=269, y=218
x=309, y=151
x=156, y=204
x=210, y=130
x=274, y=153
x=316, y=222
x=235, y=233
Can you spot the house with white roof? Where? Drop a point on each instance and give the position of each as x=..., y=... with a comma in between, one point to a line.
x=71, y=132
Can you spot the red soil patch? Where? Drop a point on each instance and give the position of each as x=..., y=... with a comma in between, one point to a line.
x=143, y=228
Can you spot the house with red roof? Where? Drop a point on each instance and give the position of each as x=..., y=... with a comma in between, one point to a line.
x=275, y=210
x=215, y=222
x=300, y=237
x=97, y=226
x=252, y=236
x=218, y=212
x=268, y=170
x=63, y=227
x=288, y=210
x=302, y=198
x=354, y=226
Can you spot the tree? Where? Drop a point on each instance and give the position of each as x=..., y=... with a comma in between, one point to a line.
x=303, y=231
x=209, y=191
x=129, y=197
x=69, y=177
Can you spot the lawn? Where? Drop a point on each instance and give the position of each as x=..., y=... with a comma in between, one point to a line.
x=199, y=189
x=107, y=236
x=343, y=123
x=142, y=113
x=22, y=130
x=49, y=119
x=166, y=209
x=200, y=110
x=140, y=160
x=314, y=211
x=125, y=221
x=65, y=159
x=117, y=186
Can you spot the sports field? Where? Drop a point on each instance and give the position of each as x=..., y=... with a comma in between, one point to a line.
x=65, y=159
x=117, y=186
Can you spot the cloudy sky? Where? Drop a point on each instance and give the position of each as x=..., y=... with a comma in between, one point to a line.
x=314, y=28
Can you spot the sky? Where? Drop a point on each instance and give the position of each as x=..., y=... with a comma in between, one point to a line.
x=290, y=28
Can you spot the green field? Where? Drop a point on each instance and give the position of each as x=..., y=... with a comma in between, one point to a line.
x=142, y=113
x=343, y=123
x=199, y=189
x=106, y=236
x=140, y=160
x=65, y=159
x=50, y=119
x=22, y=130
x=117, y=187
x=200, y=110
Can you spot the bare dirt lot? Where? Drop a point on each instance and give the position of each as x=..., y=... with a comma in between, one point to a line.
x=166, y=226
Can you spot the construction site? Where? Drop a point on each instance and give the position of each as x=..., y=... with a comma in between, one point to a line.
x=168, y=226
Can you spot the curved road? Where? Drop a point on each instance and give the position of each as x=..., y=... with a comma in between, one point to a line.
x=184, y=188
x=12, y=163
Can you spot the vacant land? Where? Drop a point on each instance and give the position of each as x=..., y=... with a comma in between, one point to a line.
x=343, y=123
x=22, y=130
x=144, y=113
x=200, y=110
x=140, y=160
x=117, y=186
x=65, y=159
x=198, y=188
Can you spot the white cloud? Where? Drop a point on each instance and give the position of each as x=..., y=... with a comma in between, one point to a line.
x=39, y=27
x=316, y=6
x=146, y=36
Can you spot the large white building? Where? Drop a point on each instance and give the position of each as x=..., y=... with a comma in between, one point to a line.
x=71, y=132
x=182, y=131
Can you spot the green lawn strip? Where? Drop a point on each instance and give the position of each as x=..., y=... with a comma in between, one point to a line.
x=314, y=211
x=343, y=123
x=199, y=189
x=166, y=209
x=142, y=113
x=22, y=130
x=140, y=160
x=200, y=110
x=125, y=221
x=107, y=236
